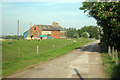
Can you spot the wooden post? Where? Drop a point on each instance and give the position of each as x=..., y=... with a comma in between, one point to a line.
x=109, y=51
x=113, y=53
x=116, y=57
x=19, y=51
x=37, y=50
x=53, y=46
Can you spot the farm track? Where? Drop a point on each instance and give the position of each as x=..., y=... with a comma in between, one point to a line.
x=83, y=62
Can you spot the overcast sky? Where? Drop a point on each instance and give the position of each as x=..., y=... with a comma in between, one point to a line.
x=67, y=14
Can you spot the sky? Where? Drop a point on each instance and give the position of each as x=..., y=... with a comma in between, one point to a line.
x=67, y=14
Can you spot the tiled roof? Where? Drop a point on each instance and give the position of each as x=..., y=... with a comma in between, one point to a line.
x=50, y=28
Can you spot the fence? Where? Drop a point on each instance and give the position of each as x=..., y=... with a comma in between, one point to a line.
x=53, y=46
x=113, y=53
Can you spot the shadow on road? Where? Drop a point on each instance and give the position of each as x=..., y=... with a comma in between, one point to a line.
x=90, y=48
x=78, y=74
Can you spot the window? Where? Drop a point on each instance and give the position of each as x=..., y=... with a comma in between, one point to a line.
x=34, y=28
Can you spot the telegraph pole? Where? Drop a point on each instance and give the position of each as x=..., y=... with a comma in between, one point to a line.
x=30, y=28
x=18, y=31
x=30, y=24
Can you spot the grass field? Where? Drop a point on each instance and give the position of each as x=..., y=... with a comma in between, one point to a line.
x=112, y=70
x=12, y=62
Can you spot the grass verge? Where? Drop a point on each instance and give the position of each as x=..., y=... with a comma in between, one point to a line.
x=112, y=70
x=12, y=62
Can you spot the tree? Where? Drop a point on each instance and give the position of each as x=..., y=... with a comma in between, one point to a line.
x=94, y=31
x=21, y=37
x=8, y=37
x=107, y=15
x=71, y=32
x=76, y=35
x=14, y=37
x=85, y=35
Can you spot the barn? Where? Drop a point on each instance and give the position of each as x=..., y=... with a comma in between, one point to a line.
x=54, y=31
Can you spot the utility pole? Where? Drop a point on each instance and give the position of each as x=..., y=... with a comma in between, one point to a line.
x=18, y=31
x=30, y=24
x=30, y=28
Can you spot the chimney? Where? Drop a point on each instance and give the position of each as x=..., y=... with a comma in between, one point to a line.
x=55, y=24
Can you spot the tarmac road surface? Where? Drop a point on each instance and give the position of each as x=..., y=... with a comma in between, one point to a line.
x=83, y=62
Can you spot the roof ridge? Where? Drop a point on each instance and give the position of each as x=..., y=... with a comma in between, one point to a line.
x=50, y=27
x=42, y=24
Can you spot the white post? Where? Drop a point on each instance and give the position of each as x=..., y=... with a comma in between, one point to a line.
x=19, y=51
x=53, y=45
x=113, y=53
x=116, y=57
x=109, y=51
x=37, y=50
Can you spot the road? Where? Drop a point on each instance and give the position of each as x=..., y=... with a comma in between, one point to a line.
x=83, y=62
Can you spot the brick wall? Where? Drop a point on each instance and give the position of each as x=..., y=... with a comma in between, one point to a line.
x=35, y=31
x=56, y=34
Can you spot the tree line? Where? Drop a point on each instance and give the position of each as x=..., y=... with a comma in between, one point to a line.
x=86, y=31
x=13, y=37
x=107, y=15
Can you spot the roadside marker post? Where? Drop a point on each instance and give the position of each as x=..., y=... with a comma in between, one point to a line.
x=37, y=50
x=113, y=53
x=109, y=51
x=53, y=46
x=116, y=57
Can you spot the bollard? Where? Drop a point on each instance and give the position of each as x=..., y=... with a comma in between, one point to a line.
x=113, y=53
x=109, y=51
x=116, y=57
x=37, y=50
x=53, y=46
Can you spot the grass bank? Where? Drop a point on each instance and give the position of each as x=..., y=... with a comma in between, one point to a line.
x=112, y=70
x=12, y=62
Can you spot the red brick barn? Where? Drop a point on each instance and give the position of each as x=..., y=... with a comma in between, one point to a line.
x=53, y=30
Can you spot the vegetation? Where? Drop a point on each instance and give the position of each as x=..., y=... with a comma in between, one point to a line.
x=94, y=31
x=12, y=61
x=13, y=37
x=72, y=33
x=85, y=35
x=112, y=70
x=107, y=15
x=76, y=35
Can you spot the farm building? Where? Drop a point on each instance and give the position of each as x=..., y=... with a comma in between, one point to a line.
x=45, y=31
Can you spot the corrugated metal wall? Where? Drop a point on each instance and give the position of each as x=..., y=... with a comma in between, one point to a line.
x=25, y=34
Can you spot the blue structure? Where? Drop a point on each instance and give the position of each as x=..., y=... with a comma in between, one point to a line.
x=45, y=36
x=25, y=34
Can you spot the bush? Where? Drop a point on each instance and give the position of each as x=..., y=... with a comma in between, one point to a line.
x=94, y=31
x=85, y=35
x=76, y=35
